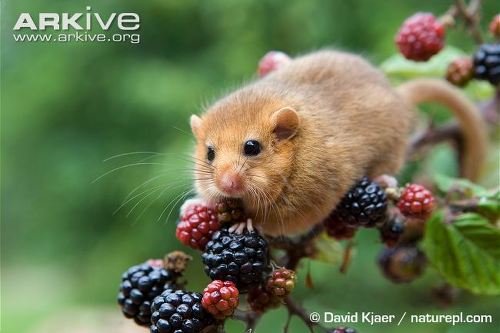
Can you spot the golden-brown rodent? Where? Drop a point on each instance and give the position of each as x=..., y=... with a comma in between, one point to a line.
x=291, y=144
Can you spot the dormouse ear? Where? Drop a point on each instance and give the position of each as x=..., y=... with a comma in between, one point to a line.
x=286, y=123
x=196, y=125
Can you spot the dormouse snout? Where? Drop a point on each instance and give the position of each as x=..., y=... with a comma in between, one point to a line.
x=230, y=182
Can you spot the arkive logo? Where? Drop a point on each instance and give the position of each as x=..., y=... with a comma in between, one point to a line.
x=86, y=26
x=66, y=21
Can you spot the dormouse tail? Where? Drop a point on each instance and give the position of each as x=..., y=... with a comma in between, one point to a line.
x=469, y=119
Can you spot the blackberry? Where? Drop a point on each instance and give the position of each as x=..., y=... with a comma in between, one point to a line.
x=402, y=264
x=487, y=63
x=260, y=299
x=365, y=204
x=140, y=285
x=240, y=258
x=339, y=229
x=281, y=282
x=460, y=71
x=391, y=230
x=420, y=37
x=179, y=311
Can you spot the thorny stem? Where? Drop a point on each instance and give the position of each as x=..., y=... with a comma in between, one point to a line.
x=250, y=318
x=295, y=249
x=294, y=309
x=470, y=15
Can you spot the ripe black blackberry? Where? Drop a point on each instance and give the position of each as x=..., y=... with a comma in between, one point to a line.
x=339, y=229
x=243, y=259
x=140, y=285
x=402, y=264
x=179, y=311
x=487, y=63
x=391, y=230
x=365, y=204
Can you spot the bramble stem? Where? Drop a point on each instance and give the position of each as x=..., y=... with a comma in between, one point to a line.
x=470, y=15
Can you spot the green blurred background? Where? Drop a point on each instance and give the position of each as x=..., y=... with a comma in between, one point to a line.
x=67, y=107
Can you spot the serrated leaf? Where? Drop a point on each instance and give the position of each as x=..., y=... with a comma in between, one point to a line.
x=445, y=184
x=328, y=250
x=489, y=206
x=466, y=252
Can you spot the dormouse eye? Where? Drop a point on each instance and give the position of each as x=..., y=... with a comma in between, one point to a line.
x=210, y=154
x=252, y=148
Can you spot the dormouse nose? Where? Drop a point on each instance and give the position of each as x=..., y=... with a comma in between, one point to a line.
x=230, y=182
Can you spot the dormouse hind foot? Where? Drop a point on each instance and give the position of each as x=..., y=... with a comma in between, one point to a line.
x=239, y=228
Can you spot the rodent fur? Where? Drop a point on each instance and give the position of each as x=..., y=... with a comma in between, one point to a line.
x=350, y=123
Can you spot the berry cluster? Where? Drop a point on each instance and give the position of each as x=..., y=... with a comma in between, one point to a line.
x=421, y=36
x=236, y=262
x=366, y=204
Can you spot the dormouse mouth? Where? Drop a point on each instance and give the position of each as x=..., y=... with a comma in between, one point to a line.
x=231, y=194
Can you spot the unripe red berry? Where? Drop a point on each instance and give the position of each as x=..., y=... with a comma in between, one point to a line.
x=460, y=71
x=416, y=201
x=281, y=282
x=197, y=224
x=339, y=229
x=260, y=299
x=271, y=61
x=495, y=26
x=420, y=37
x=220, y=298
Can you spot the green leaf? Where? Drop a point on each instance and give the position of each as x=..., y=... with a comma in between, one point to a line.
x=328, y=250
x=445, y=184
x=466, y=252
x=489, y=206
x=399, y=66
